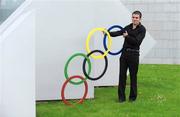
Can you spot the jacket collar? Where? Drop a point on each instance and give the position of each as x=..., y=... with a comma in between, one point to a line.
x=137, y=25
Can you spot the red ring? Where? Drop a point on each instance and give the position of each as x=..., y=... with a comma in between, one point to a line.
x=64, y=85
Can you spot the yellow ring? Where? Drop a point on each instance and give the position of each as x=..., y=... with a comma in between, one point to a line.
x=108, y=46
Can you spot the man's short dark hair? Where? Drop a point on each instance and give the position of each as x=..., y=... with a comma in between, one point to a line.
x=138, y=13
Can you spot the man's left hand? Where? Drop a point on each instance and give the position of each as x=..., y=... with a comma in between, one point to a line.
x=125, y=34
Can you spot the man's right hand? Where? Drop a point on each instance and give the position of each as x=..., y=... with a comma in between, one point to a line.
x=104, y=32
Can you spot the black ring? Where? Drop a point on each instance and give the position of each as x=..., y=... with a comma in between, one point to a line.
x=84, y=65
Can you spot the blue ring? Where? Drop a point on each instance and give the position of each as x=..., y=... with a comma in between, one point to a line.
x=104, y=40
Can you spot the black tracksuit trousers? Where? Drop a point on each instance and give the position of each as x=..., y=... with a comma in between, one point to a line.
x=128, y=60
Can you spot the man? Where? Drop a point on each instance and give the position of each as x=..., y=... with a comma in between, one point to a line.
x=133, y=34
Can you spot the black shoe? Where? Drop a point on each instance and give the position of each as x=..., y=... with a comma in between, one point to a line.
x=132, y=100
x=121, y=100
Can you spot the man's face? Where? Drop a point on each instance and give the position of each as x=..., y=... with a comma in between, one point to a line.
x=136, y=19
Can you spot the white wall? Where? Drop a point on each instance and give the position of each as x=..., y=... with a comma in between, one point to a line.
x=1, y=80
x=61, y=30
x=17, y=71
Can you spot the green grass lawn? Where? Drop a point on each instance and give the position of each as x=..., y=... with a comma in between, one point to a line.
x=158, y=96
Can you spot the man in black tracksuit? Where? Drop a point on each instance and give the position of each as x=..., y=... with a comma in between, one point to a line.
x=133, y=34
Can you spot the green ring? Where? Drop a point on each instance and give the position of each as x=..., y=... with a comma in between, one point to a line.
x=67, y=63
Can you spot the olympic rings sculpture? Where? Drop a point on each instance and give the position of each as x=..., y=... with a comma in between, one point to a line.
x=86, y=58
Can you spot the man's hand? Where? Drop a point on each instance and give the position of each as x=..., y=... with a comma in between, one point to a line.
x=103, y=31
x=125, y=34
